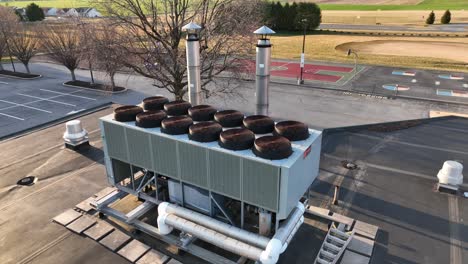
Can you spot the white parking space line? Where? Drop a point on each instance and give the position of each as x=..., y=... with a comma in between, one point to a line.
x=15, y=117
x=84, y=97
x=3, y=82
x=16, y=105
x=46, y=99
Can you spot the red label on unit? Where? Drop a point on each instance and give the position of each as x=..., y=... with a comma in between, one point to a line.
x=307, y=152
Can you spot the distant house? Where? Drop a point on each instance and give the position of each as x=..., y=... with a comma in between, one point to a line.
x=81, y=12
x=53, y=11
x=71, y=12
x=88, y=12
x=21, y=11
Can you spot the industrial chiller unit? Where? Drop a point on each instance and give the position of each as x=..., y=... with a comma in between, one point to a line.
x=235, y=200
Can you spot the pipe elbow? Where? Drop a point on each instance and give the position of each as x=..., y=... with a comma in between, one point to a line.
x=162, y=208
x=271, y=253
x=164, y=229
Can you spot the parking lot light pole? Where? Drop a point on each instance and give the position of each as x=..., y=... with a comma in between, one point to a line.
x=263, y=60
x=301, y=79
x=193, y=62
x=350, y=51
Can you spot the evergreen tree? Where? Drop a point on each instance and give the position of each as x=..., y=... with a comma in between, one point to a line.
x=431, y=18
x=308, y=15
x=283, y=19
x=446, y=18
x=275, y=12
x=291, y=17
x=34, y=12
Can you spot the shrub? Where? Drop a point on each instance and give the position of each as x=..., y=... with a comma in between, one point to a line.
x=34, y=12
x=445, y=19
x=431, y=18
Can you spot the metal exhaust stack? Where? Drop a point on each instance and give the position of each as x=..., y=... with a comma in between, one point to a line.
x=193, y=62
x=75, y=136
x=263, y=61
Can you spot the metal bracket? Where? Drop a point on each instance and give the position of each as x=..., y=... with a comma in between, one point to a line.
x=223, y=210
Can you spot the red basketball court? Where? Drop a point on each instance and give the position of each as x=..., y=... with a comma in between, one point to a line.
x=312, y=72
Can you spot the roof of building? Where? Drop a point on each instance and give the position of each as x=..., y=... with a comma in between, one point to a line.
x=392, y=188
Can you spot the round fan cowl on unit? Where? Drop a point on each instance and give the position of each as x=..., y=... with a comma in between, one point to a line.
x=150, y=119
x=127, y=113
x=229, y=118
x=176, y=125
x=154, y=103
x=177, y=108
x=205, y=131
x=202, y=113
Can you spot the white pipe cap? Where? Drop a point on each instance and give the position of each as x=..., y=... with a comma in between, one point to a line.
x=451, y=173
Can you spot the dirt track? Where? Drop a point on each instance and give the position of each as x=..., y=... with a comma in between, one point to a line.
x=432, y=49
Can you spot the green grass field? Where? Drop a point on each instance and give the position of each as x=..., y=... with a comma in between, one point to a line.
x=425, y=5
x=49, y=3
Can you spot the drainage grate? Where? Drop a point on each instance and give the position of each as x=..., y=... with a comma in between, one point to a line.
x=27, y=181
x=349, y=165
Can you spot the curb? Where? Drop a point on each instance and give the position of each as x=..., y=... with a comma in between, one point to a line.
x=95, y=90
x=51, y=123
x=20, y=78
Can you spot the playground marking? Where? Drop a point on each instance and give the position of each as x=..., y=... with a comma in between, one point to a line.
x=451, y=77
x=395, y=87
x=404, y=73
x=454, y=93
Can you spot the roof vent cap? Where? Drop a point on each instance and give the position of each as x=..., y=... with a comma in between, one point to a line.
x=451, y=173
x=75, y=134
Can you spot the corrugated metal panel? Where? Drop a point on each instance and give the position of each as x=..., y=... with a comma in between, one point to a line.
x=225, y=174
x=165, y=156
x=115, y=137
x=260, y=184
x=121, y=170
x=139, y=148
x=192, y=163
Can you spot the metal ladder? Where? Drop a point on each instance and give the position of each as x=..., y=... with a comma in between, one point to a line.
x=334, y=245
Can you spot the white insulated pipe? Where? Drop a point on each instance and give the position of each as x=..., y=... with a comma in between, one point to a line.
x=229, y=230
x=228, y=237
x=214, y=237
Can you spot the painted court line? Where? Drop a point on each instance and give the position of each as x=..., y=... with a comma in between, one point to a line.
x=46, y=99
x=15, y=117
x=79, y=96
x=16, y=105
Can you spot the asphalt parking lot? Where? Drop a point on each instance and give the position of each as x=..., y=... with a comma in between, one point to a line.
x=424, y=84
x=25, y=104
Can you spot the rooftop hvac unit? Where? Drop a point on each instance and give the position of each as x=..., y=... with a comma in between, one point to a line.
x=212, y=173
x=275, y=185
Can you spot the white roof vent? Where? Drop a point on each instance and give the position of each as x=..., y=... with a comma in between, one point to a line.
x=451, y=173
x=75, y=135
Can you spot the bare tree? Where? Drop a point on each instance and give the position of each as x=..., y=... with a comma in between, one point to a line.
x=23, y=45
x=8, y=24
x=3, y=51
x=64, y=45
x=107, y=50
x=153, y=35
